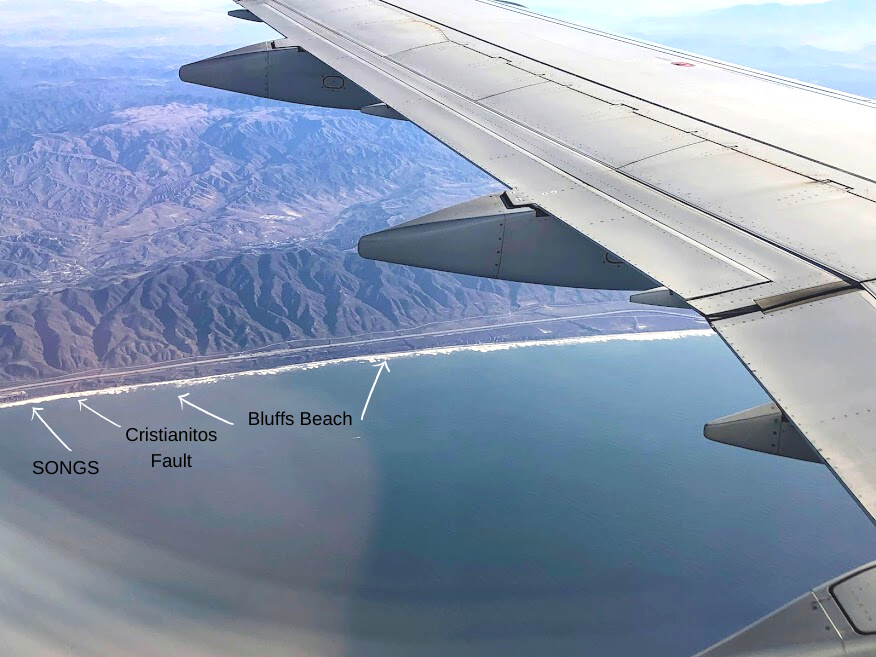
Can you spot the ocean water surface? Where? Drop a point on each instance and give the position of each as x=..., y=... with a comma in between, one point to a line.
x=544, y=500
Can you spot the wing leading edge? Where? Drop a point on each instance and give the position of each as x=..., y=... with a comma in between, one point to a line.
x=759, y=213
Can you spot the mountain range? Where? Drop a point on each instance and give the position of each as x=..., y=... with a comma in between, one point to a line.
x=142, y=220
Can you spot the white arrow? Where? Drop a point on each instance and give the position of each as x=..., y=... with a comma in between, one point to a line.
x=36, y=414
x=382, y=365
x=82, y=405
x=183, y=401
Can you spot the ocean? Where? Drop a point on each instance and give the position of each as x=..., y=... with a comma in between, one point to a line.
x=533, y=500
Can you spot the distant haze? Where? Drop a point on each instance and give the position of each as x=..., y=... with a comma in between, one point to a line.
x=837, y=24
x=76, y=22
x=625, y=10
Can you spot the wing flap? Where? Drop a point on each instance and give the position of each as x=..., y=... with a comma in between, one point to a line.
x=818, y=362
x=615, y=135
x=781, y=206
x=473, y=74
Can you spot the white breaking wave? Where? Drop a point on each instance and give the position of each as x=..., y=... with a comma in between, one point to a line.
x=377, y=358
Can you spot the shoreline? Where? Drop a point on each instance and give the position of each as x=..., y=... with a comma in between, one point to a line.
x=371, y=358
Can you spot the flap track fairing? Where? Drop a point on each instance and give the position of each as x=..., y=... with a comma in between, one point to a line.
x=762, y=429
x=279, y=70
x=245, y=15
x=660, y=296
x=493, y=238
x=833, y=620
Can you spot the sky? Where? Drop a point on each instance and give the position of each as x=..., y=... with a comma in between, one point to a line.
x=631, y=8
x=625, y=8
x=198, y=22
x=615, y=11
x=622, y=10
x=211, y=11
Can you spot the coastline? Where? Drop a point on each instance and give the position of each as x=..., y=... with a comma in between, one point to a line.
x=372, y=358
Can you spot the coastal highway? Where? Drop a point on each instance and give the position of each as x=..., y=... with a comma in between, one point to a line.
x=17, y=394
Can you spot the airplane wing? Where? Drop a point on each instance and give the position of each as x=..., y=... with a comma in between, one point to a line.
x=746, y=196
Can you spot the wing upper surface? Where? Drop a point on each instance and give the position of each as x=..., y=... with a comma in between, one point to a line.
x=838, y=128
x=749, y=195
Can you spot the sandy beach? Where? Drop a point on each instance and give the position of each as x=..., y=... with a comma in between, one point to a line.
x=376, y=358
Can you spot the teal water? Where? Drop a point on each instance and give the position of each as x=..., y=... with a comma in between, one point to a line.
x=546, y=500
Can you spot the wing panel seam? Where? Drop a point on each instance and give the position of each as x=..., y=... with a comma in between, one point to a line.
x=572, y=150
x=658, y=105
x=570, y=177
